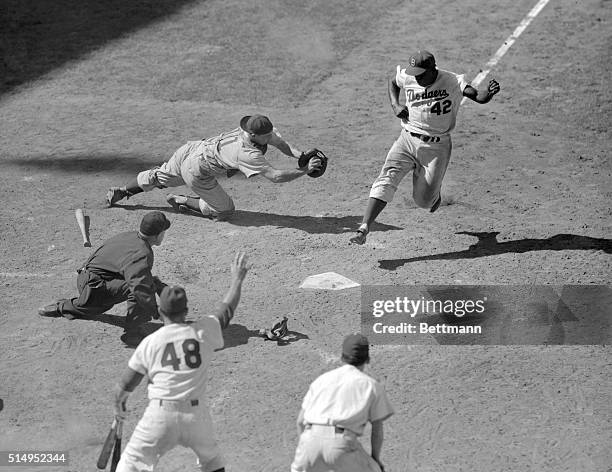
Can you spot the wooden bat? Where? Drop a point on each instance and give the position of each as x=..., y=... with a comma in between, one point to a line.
x=117, y=448
x=83, y=222
x=107, y=448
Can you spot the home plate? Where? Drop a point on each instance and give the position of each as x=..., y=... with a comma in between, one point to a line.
x=328, y=281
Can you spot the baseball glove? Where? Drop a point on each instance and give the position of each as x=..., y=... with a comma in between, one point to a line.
x=311, y=154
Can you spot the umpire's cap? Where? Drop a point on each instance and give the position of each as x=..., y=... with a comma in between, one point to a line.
x=172, y=301
x=256, y=124
x=154, y=223
x=420, y=62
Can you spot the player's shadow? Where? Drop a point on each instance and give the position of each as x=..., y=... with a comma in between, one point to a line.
x=236, y=335
x=119, y=321
x=488, y=245
x=308, y=224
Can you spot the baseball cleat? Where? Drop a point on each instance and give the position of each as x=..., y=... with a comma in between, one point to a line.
x=177, y=202
x=49, y=311
x=436, y=204
x=115, y=194
x=359, y=237
x=132, y=339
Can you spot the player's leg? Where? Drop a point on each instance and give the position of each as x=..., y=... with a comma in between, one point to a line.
x=428, y=175
x=197, y=432
x=212, y=202
x=397, y=164
x=94, y=299
x=154, y=435
x=166, y=175
x=135, y=318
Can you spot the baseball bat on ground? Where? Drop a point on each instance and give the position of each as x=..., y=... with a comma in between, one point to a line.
x=107, y=448
x=83, y=222
x=117, y=448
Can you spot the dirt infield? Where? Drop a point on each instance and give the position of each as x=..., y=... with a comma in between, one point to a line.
x=134, y=83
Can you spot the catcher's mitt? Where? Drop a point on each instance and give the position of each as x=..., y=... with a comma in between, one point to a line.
x=310, y=154
x=278, y=331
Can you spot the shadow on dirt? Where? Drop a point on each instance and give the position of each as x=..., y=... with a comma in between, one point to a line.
x=237, y=334
x=488, y=245
x=40, y=35
x=309, y=224
x=94, y=163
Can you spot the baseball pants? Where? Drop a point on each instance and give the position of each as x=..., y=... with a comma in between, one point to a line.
x=322, y=449
x=96, y=296
x=427, y=161
x=166, y=425
x=185, y=167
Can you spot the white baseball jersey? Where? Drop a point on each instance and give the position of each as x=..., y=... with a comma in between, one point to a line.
x=232, y=151
x=346, y=397
x=176, y=357
x=432, y=109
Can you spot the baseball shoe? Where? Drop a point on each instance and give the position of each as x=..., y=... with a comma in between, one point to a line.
x=115, y=194
x=178, y=203
x=436, y=204
x=359, y=237
x=50, y=311
x=53, y=311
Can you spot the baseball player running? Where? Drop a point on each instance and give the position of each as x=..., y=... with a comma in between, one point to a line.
x=334, y=413
x=197, y=164
x=432, y=99
x=175, y=359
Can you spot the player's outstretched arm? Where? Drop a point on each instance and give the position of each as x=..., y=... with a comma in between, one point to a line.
x=287, y=175
x=482, y=96
x=239, y=268
x=283, y=146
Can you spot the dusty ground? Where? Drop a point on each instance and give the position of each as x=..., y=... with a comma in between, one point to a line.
x=91, y=96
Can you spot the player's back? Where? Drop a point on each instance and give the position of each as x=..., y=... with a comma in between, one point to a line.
x=176, y=358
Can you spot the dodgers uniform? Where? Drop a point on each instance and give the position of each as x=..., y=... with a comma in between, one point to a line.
x=175, y=358
x=424, y=145
x=197, y=164
x=337, y=407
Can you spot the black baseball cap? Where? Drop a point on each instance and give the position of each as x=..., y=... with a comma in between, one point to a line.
x=420, y=62
x=172, y=301
x=355, y=349
x=256, y=124
x=154, y=223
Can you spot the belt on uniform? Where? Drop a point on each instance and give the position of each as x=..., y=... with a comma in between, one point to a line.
x=192, y=402
x=337, y=429
x=425, y=138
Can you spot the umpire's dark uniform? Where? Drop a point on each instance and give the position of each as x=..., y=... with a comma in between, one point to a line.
x=119, y=270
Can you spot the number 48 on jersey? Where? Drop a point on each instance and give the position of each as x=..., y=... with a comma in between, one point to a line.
x=190, y=355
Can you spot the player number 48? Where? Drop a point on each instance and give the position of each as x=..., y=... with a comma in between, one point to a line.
x=191, y=350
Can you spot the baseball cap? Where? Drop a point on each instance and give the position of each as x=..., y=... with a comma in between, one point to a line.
x=154, y=223
x=355, y=349
x=419, y=62
x=172, y=301
x=256, y=124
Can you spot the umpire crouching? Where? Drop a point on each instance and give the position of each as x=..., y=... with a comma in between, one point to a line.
x=119, y=270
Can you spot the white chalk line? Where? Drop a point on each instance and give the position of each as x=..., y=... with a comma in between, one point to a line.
x=508, y=43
